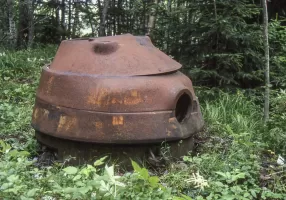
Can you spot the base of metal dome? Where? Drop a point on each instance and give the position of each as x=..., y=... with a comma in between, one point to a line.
x=84, y=152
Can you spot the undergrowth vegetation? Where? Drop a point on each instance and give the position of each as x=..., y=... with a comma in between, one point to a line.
x=235, y=158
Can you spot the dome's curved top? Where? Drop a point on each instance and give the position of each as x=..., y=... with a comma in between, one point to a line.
x=123, y=55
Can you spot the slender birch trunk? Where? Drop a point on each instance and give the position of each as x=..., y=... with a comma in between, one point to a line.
x=12, y=25
x=267, y=70
x=104, y=10
x=152, y=18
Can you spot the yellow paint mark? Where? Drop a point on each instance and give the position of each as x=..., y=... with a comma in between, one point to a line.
x=172, y=120
x=174, y=126
x=134, y=93
x=114, y=101
x=61, y=123
x=168, y=133
x=98, y=98
x=98, y=125
x=66, y=123
x=132, y=99
x=40, y=112
x=119, y=133
x=104, y=97
x=49, y=84
x=36, y=114
x=117, y=120
x=45, y=112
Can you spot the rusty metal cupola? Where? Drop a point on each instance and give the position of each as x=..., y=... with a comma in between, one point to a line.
x=117, y=90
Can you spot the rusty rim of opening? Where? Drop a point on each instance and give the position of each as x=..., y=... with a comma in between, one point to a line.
x=183, y=105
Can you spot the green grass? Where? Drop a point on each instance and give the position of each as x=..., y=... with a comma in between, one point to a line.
x=234, y=151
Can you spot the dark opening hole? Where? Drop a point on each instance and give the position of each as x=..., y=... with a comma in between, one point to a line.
x=182, y=107
x=105, y=47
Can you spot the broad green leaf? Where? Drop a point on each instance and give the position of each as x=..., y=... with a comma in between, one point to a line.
x=135, y=166
x=144, y=173
x=70, y=170
x=99, y=161
x=79, y=183
x=239, y=176
x=253, y=193
x=153, y=181
x=109, y=171
x=4, y=186
x=222, y=174
x=77, y=177
x=14, y=153
x=32, y=192
x=69, y=190
x=84, y=190
x=25, y=198
x=12, y=178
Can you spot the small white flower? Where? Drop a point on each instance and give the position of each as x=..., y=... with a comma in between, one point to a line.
x=38, y=176
x=280, y=160
x=48, y=198
x=198, y=181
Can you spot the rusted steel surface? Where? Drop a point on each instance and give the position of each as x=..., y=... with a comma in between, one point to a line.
x=113, y=94
x=120, y=128
x=123, y=55
x=117, y=90
x=87, y=152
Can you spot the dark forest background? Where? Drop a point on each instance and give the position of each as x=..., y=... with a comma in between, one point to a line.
x=219, y=42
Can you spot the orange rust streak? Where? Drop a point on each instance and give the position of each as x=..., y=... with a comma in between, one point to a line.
x=133, y=99
x=105, y=97
x=49, y=84
x=35, y=114
x=98, y=125
x=40, y=113
x=66, y=123
x=97, y=98
x=117, y=120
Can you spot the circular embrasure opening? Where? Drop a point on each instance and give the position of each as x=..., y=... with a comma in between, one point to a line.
x=183, y=107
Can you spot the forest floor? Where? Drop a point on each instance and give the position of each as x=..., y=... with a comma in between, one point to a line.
x=236, y=156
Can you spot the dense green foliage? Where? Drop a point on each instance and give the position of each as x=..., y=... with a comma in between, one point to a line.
x=235, y=159
x=218, y=42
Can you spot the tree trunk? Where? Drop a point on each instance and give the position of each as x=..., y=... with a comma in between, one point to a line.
x=119, y=17
x=30, y=4
x=143, y=19
x=267, y=70
x=57, y=11
x=23, y=25
x=69, y=19
x=63, y=18
x=76, y=18
x=102, y=25
x=167, y=27
x=12, y=26
x=152, y=18
x=90, y=19
x=114, y=19
x=215, y=13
